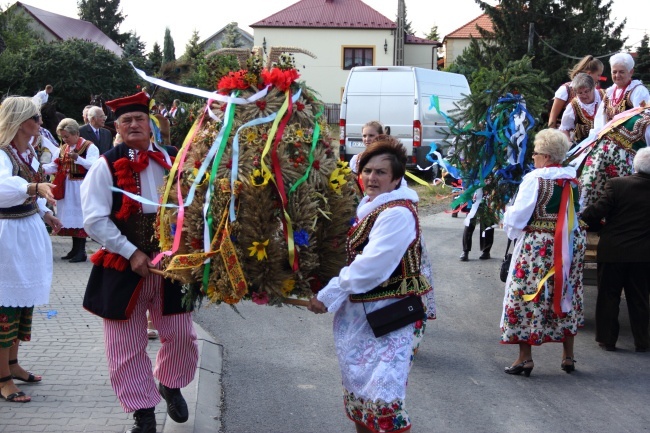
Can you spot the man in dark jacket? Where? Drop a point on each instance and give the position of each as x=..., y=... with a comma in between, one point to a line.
x=623, y=254
x=94, y=130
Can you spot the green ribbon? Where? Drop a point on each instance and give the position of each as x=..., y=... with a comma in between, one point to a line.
x=314, y=141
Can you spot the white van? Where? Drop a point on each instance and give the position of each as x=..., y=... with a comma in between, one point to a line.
x=399, y=98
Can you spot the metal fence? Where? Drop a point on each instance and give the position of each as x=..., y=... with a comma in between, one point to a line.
x=333, y=113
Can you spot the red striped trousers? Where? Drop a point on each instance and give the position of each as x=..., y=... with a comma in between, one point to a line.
x=126, y=342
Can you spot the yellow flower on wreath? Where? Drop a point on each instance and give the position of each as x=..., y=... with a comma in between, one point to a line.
x=337, y=180
x=259, y=248
x=344, y=167
x=287, y=286
x=260, y=179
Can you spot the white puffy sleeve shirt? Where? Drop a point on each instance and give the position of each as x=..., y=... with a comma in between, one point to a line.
x=97, y=201
x=390, y=236
x=13, y=189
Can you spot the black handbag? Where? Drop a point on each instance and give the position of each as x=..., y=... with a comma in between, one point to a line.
x=396, y=315
x=505, y=264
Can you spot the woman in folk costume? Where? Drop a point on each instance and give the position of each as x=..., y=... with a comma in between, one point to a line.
x=25, y=247
x=120, y=288
x=76, y=156
x=543, y=292
x=624, y=94
x=566, y=92
x=384, y=267
x=578, y=117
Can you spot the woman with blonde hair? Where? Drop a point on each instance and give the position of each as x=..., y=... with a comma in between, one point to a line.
x=25, y=247
x=543, y=292
x=565, y=93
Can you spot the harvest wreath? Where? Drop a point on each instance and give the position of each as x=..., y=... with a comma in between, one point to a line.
x=260, y=203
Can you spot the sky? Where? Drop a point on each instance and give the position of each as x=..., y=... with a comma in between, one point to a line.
x=150, y=18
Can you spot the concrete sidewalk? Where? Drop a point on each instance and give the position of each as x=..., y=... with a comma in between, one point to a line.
x=67, y=348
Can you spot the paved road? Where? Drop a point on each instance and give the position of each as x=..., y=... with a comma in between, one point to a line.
x=281, y=374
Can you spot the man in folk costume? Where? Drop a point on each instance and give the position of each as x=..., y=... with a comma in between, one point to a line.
x=121, y=288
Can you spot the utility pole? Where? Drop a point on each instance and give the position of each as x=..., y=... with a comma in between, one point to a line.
x=531, y=37
x=399, y=37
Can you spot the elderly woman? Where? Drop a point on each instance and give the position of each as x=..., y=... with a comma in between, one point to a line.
x=24, y=243
x=543, y=293
x=624, y=94
x=76, y=155
x=578, y=117
x=384, y=271
x=566, y=92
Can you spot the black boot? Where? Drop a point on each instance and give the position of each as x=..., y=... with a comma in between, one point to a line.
x=80, y=255
x=145, y=421
x=73, y=251
x=176, y=405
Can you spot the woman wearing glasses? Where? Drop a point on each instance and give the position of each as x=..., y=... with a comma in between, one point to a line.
x=543, y=293
x=24, y=243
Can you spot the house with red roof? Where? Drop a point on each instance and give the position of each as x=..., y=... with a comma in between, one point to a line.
x=456, y=41
x=54, y=27
x=342, y=34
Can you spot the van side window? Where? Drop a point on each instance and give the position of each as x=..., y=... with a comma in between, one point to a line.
x=357, y=57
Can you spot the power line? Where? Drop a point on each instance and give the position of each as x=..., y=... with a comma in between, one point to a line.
x=569, y=55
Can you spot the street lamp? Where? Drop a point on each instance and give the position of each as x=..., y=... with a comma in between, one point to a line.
x=264, y=45
x=385, y=46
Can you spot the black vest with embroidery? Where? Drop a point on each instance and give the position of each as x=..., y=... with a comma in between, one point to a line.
x=407, y=278
x=612, y=109
x=138, y=228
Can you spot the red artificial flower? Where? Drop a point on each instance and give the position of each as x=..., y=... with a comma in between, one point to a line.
x=233, y=81
x=316, y=165
x=279, y=78
x=300, y=106
x=261, y=104
x=386, y=423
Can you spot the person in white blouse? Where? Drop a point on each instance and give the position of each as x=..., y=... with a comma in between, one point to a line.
x=624, y=94
x=384, y=267
x=76, y=156
x=25, y=246
x=578, y=116
x=543, y=293
x=565, y=93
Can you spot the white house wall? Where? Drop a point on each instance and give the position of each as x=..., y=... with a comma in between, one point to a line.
x=421, y=56
x=325, y=74
x=454, y=48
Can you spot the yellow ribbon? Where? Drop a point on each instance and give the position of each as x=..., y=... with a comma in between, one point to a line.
x=418, y=180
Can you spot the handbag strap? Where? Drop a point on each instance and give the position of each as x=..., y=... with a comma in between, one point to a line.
x=507, y=249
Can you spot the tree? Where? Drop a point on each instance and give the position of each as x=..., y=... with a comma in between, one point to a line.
x=98, y=70
x=563, y=32
x=106, y=15
x=231, y=38
x=433, y=34
x=134, y=52
x=169, y=52
x=642, y=67
x=154, y=59
x=15, y=30
x=193, y=49
x=408, y=28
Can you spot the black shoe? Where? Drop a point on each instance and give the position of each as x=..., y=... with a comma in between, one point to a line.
x=80, y=255
x=520, y=368
x=568, y=367
x=607, y=347
x=454, y=214
x=176, y=405
x=484, y=256
x=145, y=421
x=73, y=251
x=464, y=257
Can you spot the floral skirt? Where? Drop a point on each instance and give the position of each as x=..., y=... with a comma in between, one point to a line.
x=15, y=324
x=534, y=322
x=605, y=161
x=375, y=370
